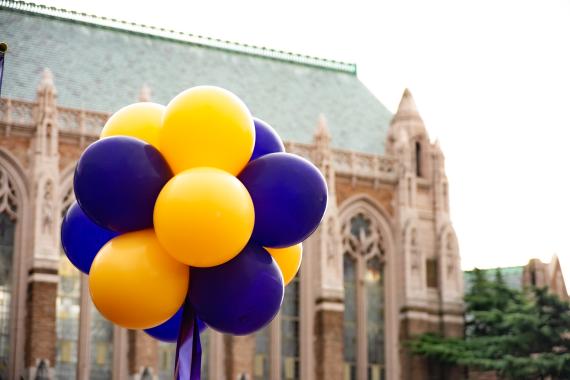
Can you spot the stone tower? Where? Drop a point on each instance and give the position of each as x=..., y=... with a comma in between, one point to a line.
x=432, y=283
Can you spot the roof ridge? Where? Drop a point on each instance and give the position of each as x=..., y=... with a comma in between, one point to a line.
x=171, y=34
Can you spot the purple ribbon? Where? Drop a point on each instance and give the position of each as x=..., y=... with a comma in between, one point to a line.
x=188, y=348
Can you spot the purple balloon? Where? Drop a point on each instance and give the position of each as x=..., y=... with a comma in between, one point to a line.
x=289, y=197
x=266, y=140
x=240, y=296
x=81, y=238
x=169, y=330
x=117, y=181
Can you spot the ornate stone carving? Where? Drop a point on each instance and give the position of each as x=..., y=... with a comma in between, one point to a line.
x=8, y=196
x=361, y=236
x=48, y=209
x=451, y=273
x=328, y=235
x=414, y=256
x=450, y=259
x=145, y=93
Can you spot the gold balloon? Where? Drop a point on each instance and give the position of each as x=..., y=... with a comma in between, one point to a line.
x=203, y=217
x=288, y=259
x=207, y=126
x=135, y=283
x=140, y=120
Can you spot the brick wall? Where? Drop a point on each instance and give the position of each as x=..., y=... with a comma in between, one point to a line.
x=384, y=194
x=40, y=323
x=143, y=352
x=239, y=356
x=329, y=361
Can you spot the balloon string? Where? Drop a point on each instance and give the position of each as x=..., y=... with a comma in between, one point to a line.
x=188, y=348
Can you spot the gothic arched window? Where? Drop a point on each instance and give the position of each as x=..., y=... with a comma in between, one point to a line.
x=364, y=298
x=290, y=369
x=71, y=297
x=8, y=213
x=67, y=308
x=349, y=325
x=67, y=327
x=166, y=354
x=278, y=345
x=375, y=318
x=101, y=343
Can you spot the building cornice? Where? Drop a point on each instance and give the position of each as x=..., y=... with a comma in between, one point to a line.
x=83, y=127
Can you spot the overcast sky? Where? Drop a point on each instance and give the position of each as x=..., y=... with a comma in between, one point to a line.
x=491, y=80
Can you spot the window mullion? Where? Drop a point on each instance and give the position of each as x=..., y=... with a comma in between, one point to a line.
x=84, y=346
x=361, y=357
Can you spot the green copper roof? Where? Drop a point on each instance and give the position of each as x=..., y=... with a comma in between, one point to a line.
x=513, y=277
x=101, y=64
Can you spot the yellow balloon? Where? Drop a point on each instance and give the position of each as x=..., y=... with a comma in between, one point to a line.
x=288, y=259
x=203, y=217
x=140, y=120
x=134, y=283
x=207, y=126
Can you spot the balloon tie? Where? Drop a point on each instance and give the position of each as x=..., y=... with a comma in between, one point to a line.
x=188, y=348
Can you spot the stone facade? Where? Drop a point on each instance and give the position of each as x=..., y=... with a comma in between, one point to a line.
x=401, y=197
x=383, y=266
x=539, y=274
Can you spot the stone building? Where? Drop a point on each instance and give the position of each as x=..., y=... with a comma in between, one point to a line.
x=534, y=274
x=384, y=264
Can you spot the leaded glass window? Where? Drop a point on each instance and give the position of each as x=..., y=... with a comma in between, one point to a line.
x=67, y=323
x=375, y=318
x=349, y=318
x=261, y=359
x=363, y=298
x=166, y=354
x=101, y=361
x=290, y=368
x=8, y=212
x=7, y=230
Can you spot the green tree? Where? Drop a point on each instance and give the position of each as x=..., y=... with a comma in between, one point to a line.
x=523, y=335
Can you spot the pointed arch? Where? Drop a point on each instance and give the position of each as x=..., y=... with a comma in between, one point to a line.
x=369, y=248
x=14, y=207
x=66, y=194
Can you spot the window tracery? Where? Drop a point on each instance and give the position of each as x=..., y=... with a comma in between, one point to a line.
x=363, y=258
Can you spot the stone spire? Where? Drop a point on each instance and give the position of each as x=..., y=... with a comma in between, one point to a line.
x=43, y=231
x=322, y=140
x=441, y=186
x=407, y=108
x=46, y=95
x=323, y=153
x=329, y=231
x=145, y=93
x=322, y=133
x=327, y=263
x=407, y=118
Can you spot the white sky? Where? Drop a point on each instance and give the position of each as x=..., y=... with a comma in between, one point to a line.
x=491, y=80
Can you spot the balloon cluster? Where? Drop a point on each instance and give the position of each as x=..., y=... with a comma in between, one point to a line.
x=197, y=203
